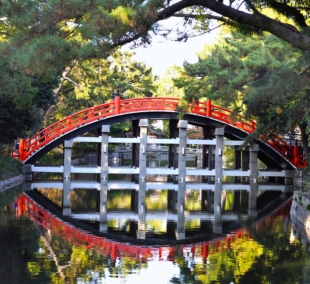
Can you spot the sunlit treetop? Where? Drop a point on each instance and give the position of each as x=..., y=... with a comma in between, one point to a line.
x=48, y=35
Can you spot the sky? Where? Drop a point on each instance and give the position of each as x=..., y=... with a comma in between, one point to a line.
x=162, y=53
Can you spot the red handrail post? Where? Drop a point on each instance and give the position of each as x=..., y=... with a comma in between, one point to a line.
x=209, y=108
x=21, y=149
x=205, y=251
x=114, y=252
x=195, y=108
x=20, y=205
x=296, y=155
x=117, y=102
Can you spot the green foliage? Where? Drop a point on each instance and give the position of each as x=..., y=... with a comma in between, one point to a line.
x=229, y=200
x=258, y=77
x=9, y=167
x=38, y=33
x=14, y=122
x=192, y=200
x=9, y=196
x=92, y=82
x=119, y=129
x=23, y=100
x=54, y=157
x=82, y=149
x=120, y=200
x=156, y=200
x=165, y=85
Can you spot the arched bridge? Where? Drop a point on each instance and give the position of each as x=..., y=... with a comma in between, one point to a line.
x=274, y=151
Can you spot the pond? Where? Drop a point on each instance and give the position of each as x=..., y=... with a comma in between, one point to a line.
x=268, y=249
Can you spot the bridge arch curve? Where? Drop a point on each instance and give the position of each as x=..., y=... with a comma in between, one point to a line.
x=275, y=153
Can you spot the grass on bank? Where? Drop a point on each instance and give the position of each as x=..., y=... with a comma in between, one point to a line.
x=9, y=167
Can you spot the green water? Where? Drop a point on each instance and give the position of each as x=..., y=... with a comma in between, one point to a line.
x=268, y=252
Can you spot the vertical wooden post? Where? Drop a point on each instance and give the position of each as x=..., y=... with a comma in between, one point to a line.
x=142, y=179
x=117, y=101
x=21, y=149
x=219, y=136
x=296, y=155
x=209, y=108
x=66, y=203
x=180, y=232
x=105, y=129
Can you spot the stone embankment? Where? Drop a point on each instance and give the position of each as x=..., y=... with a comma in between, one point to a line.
x=11, y=182
x=300, y=209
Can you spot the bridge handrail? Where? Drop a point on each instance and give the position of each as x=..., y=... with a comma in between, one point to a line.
x=28, y=207
x=117, y=106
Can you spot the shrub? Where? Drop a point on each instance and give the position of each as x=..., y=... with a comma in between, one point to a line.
x=9, y=167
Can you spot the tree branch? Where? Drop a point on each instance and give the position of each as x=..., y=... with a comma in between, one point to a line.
x=207, y=17
x=64, y=76
x=70, y=80
x=259, y=22
x=289, y=11
x=252, y=7
x=304, y=69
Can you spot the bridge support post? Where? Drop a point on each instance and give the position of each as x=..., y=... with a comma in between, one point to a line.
x=134, y=200
x=219, y=137
x=289, y=176
x=211, y=156
x=245, y=162
x=252, y=209
x=141, y=210
x=217, y=224
x=28, y=172
x=172, y=148
x=237, y=161
x=172, y=200
x=210, y=205
x=253, y=163
x=180, y=232
x=135, y=148
x=204, y=200
x=244, y=198
x=237, y=197
x=142, y=179
x=206, y=150
x=289, y=187
x=66, y=203
x=105, y=130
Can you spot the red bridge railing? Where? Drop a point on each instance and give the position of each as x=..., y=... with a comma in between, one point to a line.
x=116, y=107
x=28, y=207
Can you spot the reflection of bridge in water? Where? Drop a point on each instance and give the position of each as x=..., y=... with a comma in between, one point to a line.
x=140, y=251
x=213, y=219
x=218, y=129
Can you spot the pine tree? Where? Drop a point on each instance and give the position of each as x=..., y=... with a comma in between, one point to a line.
x=258, y=77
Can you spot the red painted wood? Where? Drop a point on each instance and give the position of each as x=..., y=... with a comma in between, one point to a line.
x=118, y=106
x=28, y=207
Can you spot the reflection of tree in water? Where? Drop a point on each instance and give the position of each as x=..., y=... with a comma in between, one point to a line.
x=192, y=200
x=267, y=257
x=65, y=262
x=263, y=255
x=19, y=242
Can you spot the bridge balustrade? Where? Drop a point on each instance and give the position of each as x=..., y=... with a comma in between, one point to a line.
x=28, y=147
x=27, y=206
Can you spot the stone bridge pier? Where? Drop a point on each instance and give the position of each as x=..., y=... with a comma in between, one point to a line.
x=245, y=170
